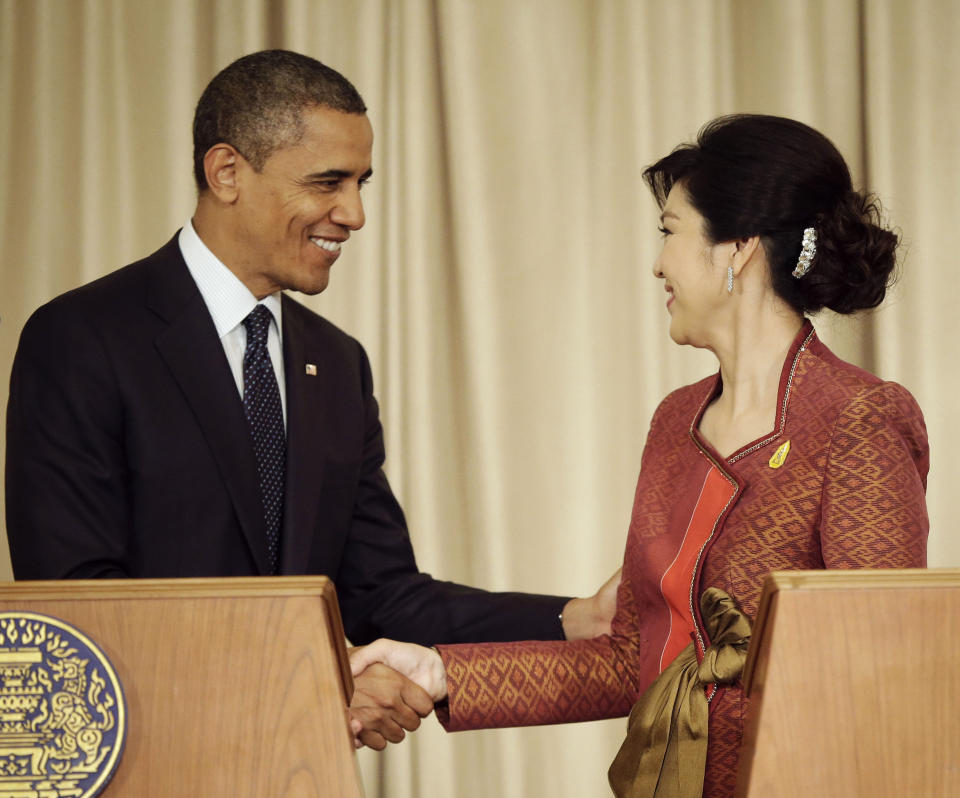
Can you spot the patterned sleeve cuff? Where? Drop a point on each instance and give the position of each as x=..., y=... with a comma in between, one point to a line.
x=496, y=685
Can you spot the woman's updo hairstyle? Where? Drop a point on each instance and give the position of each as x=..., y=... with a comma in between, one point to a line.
x=773, y=177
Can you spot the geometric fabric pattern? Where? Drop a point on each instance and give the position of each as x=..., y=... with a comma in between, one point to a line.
x=850, y=493
x=261, y=404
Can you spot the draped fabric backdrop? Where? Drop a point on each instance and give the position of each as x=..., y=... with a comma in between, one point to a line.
x=503, y=283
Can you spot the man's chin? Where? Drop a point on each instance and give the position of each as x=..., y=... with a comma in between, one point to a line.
x=311, y=290
x=316, y=283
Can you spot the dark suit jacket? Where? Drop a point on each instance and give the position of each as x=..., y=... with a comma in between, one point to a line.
x=128, y=455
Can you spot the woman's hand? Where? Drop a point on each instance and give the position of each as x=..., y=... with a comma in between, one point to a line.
x=422, y=666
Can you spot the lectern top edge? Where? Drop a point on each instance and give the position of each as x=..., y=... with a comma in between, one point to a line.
x=220, y=587
x=836, y=579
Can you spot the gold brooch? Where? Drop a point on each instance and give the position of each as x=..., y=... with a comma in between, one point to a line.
x=780, y=455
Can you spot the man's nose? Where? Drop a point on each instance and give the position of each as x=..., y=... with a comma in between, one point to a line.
x=349, y=211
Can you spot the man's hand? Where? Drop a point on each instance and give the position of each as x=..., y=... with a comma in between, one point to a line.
x=385, y=703
x=590, y=617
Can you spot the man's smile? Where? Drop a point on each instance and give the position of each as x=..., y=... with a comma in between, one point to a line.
x=327, y=244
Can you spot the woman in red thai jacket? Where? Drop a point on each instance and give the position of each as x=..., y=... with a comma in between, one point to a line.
x=787, y=458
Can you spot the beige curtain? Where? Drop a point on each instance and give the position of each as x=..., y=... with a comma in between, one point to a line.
x=503, y=284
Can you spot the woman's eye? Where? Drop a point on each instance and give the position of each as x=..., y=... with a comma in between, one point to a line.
x=663, y=231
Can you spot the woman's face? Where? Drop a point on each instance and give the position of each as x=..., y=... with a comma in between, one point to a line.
x=694, y=279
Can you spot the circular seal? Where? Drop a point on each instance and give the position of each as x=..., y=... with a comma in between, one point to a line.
x=63, y=719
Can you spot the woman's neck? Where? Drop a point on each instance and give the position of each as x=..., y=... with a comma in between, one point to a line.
x=751, y=352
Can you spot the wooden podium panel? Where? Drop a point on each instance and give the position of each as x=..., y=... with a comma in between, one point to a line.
x=854, y=686
x=234, y=687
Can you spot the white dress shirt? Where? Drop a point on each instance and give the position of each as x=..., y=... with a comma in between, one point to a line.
x=229, y=302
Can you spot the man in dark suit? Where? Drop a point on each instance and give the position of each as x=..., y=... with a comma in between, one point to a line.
x=182, y=417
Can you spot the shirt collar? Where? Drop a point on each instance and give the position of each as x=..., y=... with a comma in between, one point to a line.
x=227, y=299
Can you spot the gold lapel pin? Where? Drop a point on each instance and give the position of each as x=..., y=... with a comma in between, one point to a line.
x=311, y=370
x=780, y=455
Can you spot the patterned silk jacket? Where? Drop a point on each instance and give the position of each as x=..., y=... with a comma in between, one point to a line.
x=838, y=483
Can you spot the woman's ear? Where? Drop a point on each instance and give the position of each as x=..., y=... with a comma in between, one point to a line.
x=745, y=250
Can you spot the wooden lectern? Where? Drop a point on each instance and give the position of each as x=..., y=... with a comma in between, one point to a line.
x=853, y=680
x=234, y=687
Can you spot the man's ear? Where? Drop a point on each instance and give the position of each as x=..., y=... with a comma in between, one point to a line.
x=220, y=167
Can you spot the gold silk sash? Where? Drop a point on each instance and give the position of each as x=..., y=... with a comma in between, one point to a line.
x=665, y=751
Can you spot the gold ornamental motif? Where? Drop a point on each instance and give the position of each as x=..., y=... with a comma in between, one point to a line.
x=62, y=714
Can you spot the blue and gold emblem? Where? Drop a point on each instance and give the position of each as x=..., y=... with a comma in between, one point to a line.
x=62, y=715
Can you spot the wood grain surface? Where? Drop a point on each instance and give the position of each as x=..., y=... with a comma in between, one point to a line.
x=854, y=686
x=234, y=687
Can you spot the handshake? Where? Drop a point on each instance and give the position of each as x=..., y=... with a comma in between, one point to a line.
x=395, y=685
x=398, y=684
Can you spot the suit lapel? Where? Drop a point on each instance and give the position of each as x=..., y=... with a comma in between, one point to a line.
x=305, y=439
x=196, y=359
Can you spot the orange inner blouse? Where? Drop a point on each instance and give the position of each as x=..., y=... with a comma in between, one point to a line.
x=675, y=585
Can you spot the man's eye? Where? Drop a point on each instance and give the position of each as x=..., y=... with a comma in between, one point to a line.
x=324, y=184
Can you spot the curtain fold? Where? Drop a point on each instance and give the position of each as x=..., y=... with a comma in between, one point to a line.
x=503, y=283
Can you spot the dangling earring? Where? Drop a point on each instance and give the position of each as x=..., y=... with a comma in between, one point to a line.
x=729, y=279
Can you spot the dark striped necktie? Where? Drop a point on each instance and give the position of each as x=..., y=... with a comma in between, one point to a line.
x=261, y=403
